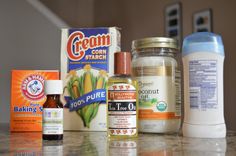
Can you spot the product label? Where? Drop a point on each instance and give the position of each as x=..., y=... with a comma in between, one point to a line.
x=122, y=109
x=203, y=84
x=88, y=46
x=87, y=52
x=159, y=95
x=32, y=87
x=52, y=121
x=178, y=93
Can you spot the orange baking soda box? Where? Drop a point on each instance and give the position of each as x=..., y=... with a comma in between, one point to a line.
x=27, y=98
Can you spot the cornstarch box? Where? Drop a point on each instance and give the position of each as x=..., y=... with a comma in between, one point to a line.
x=87, y=60
x=27, y=98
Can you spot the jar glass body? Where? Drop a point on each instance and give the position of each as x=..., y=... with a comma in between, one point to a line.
x=157, y=71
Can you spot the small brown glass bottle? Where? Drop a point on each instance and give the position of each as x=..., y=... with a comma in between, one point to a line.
x=53, y=111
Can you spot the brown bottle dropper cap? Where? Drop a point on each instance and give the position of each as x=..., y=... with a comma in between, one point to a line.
x=122, y=63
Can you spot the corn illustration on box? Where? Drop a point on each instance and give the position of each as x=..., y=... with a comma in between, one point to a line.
x=27, y=98
x=87, y=60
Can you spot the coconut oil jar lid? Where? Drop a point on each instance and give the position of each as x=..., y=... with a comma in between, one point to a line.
x=154, y=42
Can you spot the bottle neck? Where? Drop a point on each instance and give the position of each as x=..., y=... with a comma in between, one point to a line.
x=123, y=75
x=53, y=101
x=53, y=96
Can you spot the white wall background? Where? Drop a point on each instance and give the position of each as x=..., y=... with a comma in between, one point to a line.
x=28, y=40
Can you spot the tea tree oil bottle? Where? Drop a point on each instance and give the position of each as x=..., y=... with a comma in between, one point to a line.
x=122, y=100
x=53, y=111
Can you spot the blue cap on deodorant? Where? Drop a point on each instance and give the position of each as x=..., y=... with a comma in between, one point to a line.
x=203, y=42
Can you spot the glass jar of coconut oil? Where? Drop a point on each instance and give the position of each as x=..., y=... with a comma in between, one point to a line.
x=157, y=71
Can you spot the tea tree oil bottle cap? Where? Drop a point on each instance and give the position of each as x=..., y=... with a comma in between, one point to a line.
x=53, y=87
x=122, y=63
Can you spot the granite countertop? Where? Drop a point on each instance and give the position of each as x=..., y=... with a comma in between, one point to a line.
x=96, y=143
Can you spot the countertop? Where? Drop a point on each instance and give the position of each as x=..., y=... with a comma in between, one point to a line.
x=96, y=143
